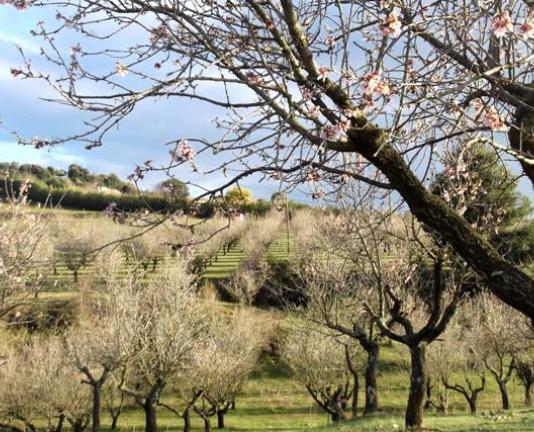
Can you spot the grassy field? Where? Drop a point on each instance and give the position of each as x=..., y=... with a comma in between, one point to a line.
x=273, y=400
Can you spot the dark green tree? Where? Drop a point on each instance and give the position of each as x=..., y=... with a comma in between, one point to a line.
x=477, y=183
x=174, y=189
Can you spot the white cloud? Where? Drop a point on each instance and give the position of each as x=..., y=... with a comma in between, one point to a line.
x=57, y=157
x=25, y=44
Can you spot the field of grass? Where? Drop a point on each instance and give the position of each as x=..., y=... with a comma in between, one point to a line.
x=272, y=400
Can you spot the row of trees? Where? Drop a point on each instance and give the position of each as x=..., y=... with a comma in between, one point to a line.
x=485, y=339
x=136, y=341
x=396, y=279
x=74, y=175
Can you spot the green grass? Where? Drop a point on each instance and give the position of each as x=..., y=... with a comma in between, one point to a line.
x=273, y=400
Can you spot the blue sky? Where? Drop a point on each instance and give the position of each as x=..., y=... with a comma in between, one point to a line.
x=139, y=138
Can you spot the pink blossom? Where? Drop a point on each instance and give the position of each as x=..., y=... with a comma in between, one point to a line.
x=330, y=41
x=330, y=133
x=323, y=73
x=318, y=194
x=501, y=24
x=372, y=84
x=337, y=132
x=343, y=126
x=254, y=79
x=39, y=143
x=391, y=25
x=159, y=33
x=314, y=111
x=19, y=4
x=306, y=93
x=527, y=28
x=493, y=120
x=185, y=150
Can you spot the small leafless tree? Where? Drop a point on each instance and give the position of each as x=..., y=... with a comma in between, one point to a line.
x=319, y=361
x=456, y=359
x=74, y=252
x=104, y=340
x=336, y=302
x=503, y=341
x=229, y=356
x=170, y=326
x=40, y=391
x=525, y=373
x=25, y=251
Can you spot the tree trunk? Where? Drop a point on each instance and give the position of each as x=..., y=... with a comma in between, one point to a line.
x=371, y=390
x=355, y=391
x=472, y=401
x=59, y=426
x=428, y=402
x=504, y=279
x=504, y=396
x=97, y=392
x=150, y=416
x=114, y=421
x=220, y=419
x=416, y=399
x=337, y=414
x=207, y=424
x=528, y=394
x=187, y=421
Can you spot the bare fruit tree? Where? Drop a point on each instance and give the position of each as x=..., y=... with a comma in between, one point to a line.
x=223, y=365
x=503, y=332
x=336, y=301
x=103, y=342
x=318, y=360
x=313, y=92
x=40, y=391
x=458, y=363
x=24, y=251
x=170, y=327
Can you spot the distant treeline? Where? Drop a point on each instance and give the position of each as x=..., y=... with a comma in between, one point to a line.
x=78, y=188
x=91, y=200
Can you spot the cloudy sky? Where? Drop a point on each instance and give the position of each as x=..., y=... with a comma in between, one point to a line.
x=139, y=139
